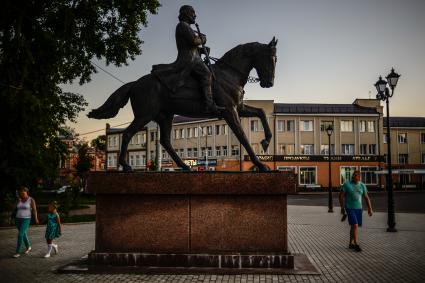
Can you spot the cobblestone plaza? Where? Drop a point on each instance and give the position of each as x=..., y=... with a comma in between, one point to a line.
x=396, y=257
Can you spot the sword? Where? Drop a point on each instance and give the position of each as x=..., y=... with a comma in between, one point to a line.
x=204, y=49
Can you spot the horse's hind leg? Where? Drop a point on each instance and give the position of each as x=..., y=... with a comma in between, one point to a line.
x=166, y=124
x=135, y=126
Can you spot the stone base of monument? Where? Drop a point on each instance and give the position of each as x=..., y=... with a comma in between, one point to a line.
x=198, y=221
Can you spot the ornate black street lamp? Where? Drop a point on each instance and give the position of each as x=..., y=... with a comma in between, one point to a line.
x=329, y=131
x=384, y=95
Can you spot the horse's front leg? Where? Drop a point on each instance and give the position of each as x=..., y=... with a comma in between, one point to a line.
x=250, y=111
x=232, y=118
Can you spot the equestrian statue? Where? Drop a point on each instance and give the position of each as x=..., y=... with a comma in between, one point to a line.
x=193, y=87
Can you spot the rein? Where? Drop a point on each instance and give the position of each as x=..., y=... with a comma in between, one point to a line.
x=250, y=79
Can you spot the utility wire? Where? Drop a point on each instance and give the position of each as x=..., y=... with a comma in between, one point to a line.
x=95, y=131
x=108, y=73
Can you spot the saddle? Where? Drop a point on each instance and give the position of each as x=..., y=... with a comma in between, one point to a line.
x=178, y=81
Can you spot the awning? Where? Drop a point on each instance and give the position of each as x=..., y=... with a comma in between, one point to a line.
x=403, y=171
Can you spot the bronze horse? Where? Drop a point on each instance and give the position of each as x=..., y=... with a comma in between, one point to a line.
x=151, y=100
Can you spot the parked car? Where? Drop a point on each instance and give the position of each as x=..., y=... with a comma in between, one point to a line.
x=62, y=189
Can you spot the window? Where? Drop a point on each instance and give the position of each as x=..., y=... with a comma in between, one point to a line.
x=346, y=126
x=164, y=154
x=371, y=126
x=363, y=126
x=324, y=149
x=282, y=148
x=195, y=152
x=235, y=150
x=403, y=158
x=209, y=130
x=347, y=149
x=189, y=152
x=203, y=131
x=306, y=125
x=217, y=151
x=422, y=137
x=254, y=125
x=210, y=152
x=202, y=151
x=280, y=125
x=372, y=149
x=224, y=150
x=112, y=160
x=368, y=175
x=402, y=137
x=423, y=158
x=217, y=130
x=346, y=173
x=307, y=175
x=255, y=148
x=136, y=159
x=176, y=134
x=385, y=138
x=363, y=149
x=325, y=124
x=113, y=141
x=290, y=149
x=189, y=132
x=224, y=129
x=290, y=125
x=307, y=149
x=196, y=132
x=182, y=133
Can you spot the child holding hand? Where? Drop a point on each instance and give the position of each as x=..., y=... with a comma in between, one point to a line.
x=53, y=229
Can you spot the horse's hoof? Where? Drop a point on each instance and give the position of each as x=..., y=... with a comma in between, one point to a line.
x=127, y=168
x=265, y=144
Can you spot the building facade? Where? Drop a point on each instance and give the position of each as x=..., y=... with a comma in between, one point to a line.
x=300, y=143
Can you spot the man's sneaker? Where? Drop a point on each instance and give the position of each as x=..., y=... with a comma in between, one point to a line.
x=351, y=246
x=55, y=248
x=28, y=250
x=47, y=255
x=357, y=248
x=16, y=255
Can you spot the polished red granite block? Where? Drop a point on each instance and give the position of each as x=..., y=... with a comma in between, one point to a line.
x=194, y=213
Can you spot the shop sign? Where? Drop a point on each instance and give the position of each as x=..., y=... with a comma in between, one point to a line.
x=211, y=162
x=317, y=158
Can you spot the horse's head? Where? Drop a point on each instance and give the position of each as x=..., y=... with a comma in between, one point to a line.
x=265, y=62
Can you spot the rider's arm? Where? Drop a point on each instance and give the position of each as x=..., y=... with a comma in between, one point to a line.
x=187, y=32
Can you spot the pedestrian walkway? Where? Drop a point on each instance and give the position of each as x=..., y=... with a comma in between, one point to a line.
x=386, y=257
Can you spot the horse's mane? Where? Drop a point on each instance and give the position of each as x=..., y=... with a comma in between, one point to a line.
x=246, y=49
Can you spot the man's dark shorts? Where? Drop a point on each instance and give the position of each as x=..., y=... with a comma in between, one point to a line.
x=354, y=216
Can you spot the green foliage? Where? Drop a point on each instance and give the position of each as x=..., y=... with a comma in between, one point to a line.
x=43, y=44
x=99, y=143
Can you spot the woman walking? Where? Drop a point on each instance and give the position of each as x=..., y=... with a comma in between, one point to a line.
x=25, y=205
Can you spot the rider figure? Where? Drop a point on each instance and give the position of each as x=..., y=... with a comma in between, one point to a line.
x=189, y=54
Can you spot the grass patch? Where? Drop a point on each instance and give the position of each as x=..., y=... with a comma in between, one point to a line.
x=78, y=218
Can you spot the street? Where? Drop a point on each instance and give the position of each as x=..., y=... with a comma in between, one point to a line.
x=407, y=202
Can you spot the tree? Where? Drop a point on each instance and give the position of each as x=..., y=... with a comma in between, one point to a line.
x=99, y=143
x=43, y=44
x=84, y=162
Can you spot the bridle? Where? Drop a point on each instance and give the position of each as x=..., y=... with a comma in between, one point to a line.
x=250, y=79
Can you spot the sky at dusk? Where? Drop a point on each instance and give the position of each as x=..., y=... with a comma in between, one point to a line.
x=329, y=51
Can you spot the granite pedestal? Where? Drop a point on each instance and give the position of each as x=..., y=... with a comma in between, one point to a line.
x=219, y=220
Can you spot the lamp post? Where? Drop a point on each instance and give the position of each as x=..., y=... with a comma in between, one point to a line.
x=329, y=131
x=384, y=95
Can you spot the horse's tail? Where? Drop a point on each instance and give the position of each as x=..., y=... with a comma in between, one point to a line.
x=112, y=105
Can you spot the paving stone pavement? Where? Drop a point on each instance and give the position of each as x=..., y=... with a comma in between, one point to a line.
x=386, y=257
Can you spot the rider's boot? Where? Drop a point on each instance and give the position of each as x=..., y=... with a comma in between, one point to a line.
x=210, y=106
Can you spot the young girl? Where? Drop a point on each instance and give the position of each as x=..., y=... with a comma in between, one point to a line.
x=53, y=229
